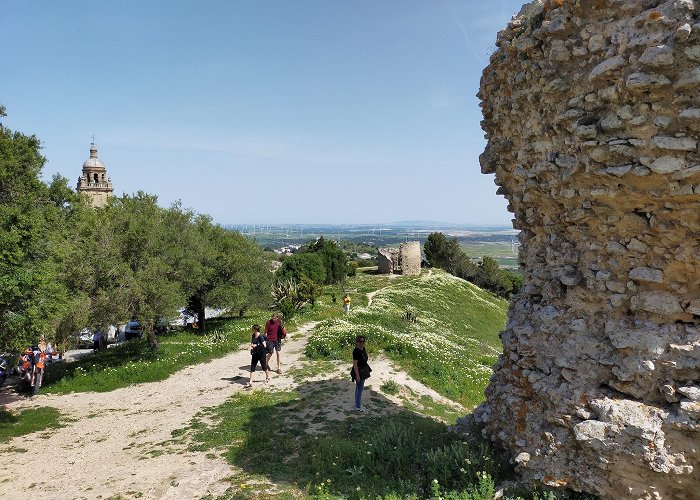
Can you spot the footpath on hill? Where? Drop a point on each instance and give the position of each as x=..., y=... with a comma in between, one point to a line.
x=112, y=444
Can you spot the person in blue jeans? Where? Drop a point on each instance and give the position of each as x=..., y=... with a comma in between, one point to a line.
x=360, y=370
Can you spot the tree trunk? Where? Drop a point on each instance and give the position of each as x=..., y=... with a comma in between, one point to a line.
x=152, y=339
x=201, y=318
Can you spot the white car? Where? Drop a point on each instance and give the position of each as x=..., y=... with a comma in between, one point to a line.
x=85, y=338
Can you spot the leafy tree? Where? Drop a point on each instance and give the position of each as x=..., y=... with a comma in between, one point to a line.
x=308, y=290
x=235, y=272
x=296, y=266
x=446, y=254
x=464, y=267
x=31, y=298
x=128, y=259
x=491, y=277
x=516, y=280
x=334, y=259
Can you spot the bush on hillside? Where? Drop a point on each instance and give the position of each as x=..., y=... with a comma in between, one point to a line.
x=334, y=259
x=294, y=267
x=446, y=254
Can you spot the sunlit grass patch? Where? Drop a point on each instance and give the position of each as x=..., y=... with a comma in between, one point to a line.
x=451, y=345
x=14, y=424
x=390, y=387
x=311, y=369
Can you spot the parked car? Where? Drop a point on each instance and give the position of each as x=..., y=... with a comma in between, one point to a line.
x=85, y=339
x=161, y=326
x=133, y=329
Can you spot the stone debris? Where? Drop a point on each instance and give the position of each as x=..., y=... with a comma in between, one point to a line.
x=592, y=115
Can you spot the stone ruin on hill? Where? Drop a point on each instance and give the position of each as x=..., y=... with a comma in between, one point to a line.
x=404, y=260
x=592, y=115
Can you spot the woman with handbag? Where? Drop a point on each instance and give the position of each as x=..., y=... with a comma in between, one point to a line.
x=360, y=370
x=258, y=351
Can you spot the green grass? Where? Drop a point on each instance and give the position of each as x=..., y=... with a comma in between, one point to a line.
x=390, y=387
x=310, y=369
x=28, y=421
x=501, y=251
x=451, y=346
x=133, y=362
x=400, y=453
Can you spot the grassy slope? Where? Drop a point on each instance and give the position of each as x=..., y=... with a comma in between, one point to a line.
x=452, y=345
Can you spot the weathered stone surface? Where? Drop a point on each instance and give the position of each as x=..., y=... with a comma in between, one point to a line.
x=644, y=81
x=404, y=260
x=598, y=385
x=607, y=66
x=694, y=307
x=675, y=143
x=661, y=55
x=688, y=79
x=667, y=164
x=658, y=302
x=647, y=274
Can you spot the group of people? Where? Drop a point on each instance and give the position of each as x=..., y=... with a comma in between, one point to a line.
x=263, y=345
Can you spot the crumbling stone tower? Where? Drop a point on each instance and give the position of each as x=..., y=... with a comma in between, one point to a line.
x=404, y=260
x=592, y=115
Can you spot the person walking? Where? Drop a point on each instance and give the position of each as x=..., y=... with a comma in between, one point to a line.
x=346, y=304
x=273, y=332
x=258, y=351
x=360, y=370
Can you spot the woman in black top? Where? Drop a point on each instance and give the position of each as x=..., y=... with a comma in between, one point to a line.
x=360, y=370
x=258, y=351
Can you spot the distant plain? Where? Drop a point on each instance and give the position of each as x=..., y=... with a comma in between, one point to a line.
x=501, y=243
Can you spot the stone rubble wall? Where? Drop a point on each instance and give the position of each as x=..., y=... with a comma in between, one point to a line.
x=592, y=115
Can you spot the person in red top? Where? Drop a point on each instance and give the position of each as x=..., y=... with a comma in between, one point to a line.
x=273, y=329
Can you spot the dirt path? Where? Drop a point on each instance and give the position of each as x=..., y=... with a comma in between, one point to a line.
x=112, y=444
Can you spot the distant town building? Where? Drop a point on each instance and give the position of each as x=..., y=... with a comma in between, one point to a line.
x=94, y=181
x=288, y=250
x=404, y=260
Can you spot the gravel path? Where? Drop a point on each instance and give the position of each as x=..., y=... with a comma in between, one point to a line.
x=115, y=442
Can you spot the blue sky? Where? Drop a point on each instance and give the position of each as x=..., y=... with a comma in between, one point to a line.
x=270, y=111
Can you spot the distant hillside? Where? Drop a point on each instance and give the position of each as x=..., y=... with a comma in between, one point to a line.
x=450, y=347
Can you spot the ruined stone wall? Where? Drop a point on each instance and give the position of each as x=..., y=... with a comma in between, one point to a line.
x=386, y=258
x=404, y=260
x=410, y=258
x=592, y=114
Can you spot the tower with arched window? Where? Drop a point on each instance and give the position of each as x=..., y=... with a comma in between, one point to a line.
x=94, y=181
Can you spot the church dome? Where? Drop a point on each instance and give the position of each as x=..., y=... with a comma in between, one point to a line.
x=93, y=163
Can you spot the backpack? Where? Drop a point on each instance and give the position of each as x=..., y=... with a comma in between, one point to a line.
x=281, y=332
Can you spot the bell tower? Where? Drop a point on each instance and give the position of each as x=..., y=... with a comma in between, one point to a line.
x=94, y=181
